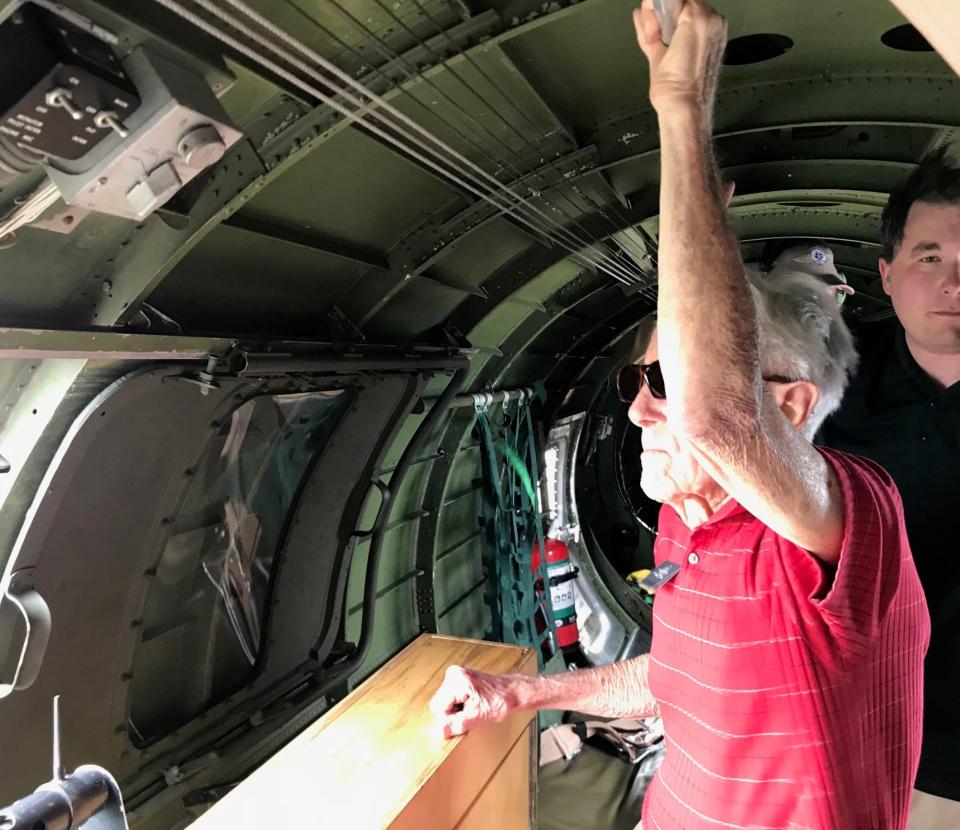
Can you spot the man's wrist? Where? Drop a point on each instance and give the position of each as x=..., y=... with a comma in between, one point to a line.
x=517, y=692
x=689, y=116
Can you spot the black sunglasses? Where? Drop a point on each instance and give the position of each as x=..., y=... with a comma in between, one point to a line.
x=630, y=380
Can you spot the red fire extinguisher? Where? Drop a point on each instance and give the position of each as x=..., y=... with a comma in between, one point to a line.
x=560, y=573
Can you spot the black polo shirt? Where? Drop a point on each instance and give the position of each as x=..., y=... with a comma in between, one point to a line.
x=897, y=415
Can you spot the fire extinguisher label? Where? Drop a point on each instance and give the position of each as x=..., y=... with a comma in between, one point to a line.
x=563, y=597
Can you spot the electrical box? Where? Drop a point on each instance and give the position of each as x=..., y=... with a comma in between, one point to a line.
x=68, y=90
x=117, y=136
x=179, y=130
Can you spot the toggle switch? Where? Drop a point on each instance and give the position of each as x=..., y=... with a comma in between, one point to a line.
x=61, y=98
x=107, y=119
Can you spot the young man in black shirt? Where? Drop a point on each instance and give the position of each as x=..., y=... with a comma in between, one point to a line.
x=903, y=411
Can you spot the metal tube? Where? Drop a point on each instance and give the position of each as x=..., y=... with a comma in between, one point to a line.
x=487, y=398
x=482, y=178
x=431, y=456
x=58, y=771
x=103, y=344
x=449, y=169
x=337, y=363
x=422, y=460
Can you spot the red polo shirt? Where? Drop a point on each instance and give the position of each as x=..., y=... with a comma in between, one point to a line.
x=790, y=691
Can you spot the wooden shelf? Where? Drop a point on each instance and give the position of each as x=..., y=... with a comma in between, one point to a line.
x=377, y=759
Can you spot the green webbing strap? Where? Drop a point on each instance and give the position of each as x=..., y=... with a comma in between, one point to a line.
x=493, y=505
x=532, y=530
x=513, y=525
x=516, y=585
x=542, y=571
x=516, y=462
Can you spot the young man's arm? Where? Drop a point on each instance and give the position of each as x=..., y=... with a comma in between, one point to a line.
x=707, y=325
x=470, y=698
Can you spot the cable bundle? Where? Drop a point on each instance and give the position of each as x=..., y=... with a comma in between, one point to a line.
x=328, y=84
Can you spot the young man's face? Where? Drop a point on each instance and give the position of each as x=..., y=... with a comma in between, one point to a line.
x=923, y=279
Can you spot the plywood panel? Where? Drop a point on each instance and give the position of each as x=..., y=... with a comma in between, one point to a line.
x=377, y=760
x=505, y=801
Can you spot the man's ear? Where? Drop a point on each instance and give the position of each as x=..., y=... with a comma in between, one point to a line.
x=729, y=188
x=797, y=400
x=884, y=267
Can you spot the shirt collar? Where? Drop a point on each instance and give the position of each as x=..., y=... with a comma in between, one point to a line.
x=731, y=507
x=908, y=371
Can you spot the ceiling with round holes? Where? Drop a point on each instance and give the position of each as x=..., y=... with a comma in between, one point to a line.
x=481, y=170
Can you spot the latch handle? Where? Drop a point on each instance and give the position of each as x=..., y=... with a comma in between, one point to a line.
x=22, y=599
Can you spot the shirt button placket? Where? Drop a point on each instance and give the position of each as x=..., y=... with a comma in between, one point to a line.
x=693, y=558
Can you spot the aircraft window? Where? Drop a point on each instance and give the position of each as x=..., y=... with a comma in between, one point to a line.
x=205, y=613
x=551, y=480
x=905, y=38
x=756, y=49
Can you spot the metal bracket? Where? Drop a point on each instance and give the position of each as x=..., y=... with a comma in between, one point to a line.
x=230, y=366
x=62, y=220
x=342, y=328
x=426, y=602
x=205, y=378
x=32, y=609
x=152, y=249
x=177, y=773
x=454, y=337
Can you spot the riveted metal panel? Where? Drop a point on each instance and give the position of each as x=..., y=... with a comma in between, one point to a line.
x=344, y=189
x=397, y=624
x=459, y=572
x=470, y=617
x=219, y=285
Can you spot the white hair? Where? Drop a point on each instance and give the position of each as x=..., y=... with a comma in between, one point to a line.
x=803, y=336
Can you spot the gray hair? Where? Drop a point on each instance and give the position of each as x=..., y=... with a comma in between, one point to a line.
x=804, y=336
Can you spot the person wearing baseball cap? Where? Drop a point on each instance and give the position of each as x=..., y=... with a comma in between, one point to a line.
x=812, y=258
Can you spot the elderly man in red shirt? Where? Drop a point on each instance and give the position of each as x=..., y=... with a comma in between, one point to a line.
x=789, y=625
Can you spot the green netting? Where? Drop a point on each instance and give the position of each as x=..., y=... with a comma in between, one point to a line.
x=513, y=525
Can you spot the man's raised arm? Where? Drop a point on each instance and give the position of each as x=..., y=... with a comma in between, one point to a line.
x=709, y=350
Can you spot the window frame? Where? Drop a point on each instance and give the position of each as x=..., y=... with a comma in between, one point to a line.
x=97, y=597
